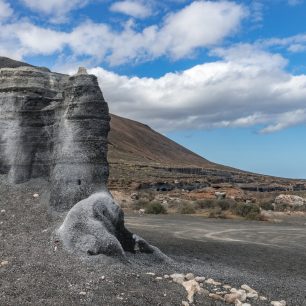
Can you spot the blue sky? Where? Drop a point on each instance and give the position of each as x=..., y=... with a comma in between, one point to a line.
x=226, y=79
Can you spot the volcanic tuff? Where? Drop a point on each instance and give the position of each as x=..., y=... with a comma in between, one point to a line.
x=53, y=126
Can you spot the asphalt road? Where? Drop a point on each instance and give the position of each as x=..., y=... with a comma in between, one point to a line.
x=270, y=257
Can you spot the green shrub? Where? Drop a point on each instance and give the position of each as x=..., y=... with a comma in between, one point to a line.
x=155, y=208
x=187, y=208
x=267, y=205
x=249, y=211
x=224, y=204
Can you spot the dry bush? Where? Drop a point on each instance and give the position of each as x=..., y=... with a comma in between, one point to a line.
x=187, y=208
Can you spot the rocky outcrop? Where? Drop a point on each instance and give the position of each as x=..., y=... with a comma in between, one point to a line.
x=95, y=226
x=54, y=126
x=287, y=201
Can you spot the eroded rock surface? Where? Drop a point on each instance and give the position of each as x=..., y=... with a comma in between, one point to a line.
x=53, y=126
x=96, y=226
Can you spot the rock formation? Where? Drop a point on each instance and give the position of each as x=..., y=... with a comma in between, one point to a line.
x=54, y=126
x=96, y=226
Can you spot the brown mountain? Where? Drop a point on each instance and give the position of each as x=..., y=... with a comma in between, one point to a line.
x=134, y=142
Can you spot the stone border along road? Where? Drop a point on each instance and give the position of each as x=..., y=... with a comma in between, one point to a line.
x=268, y=257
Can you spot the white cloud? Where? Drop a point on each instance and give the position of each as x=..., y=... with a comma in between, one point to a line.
x=286, y=120
x=5, y=10
x=131, y=8
x=295, y=2
x=57, y=9
x=257, y=11
x=199, y=25
x=233, y=92
x=297, y=48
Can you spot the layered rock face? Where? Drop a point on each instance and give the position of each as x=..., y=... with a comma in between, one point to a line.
x=54, y=126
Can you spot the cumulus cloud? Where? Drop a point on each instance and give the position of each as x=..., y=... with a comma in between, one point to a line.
x=57, y=9
x=5, y=10
x=131, y=8
x=235, y=91
x=198, y=25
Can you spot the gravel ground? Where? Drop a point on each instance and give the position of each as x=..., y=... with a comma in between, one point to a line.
x=40, y=272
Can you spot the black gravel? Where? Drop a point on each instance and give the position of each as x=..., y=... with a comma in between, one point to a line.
x=40, y=272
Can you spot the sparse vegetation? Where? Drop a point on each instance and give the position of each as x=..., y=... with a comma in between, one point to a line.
x=140, y=204
x=216, y=213
x=224, y=204
x=155, y=208
x=267, y=205
x=249, y=211
x=187, y=208
x=206, y=204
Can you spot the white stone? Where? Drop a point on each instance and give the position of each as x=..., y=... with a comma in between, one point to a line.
x=178, y=278
x=216, y=297
x=4, y=263
x=200, y=279
x=232, y=297
x=191, y=287
x=211, y=281
x=279, y=303
x=248, y=289
x=189, y=276
x=252, y=295
x=227, y=287
x=82, y=293
x=35, y=195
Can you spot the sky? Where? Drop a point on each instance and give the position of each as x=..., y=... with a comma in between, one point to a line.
x=226, y=79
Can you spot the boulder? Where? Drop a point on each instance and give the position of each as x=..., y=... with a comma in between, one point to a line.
x=220, y=195
x=289, y=201
x=95, y=226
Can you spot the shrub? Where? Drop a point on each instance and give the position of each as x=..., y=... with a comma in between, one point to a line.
x=267, y=205
x=249, y=211
x=147, y=195
x=155, y=208
x=216, y=213
x=187, y=208
x=205, y=204
x=139, y=204
x=224, y=204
